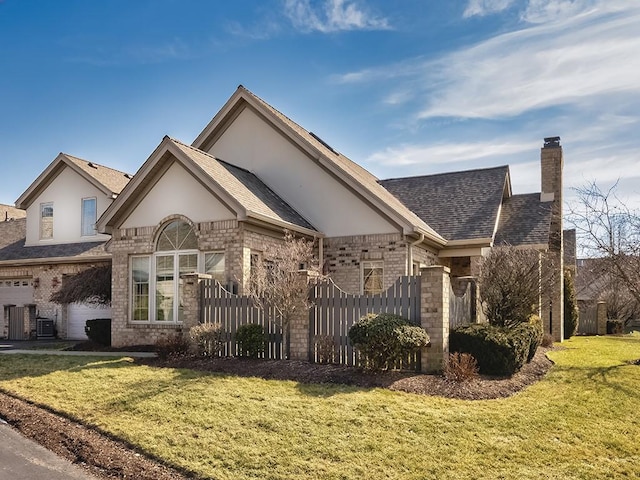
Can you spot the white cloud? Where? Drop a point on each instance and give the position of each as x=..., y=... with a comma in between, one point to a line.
x=542, y=11
x=332, y=16
x=481, y=8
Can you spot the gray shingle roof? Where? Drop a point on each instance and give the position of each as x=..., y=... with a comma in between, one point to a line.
x=112, y=179
x=524, y=220
x=458, y=205
x=12, y=246
x=246, y=188
x=7, y=212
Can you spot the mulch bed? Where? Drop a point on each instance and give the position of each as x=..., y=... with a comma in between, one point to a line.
x=109, y=458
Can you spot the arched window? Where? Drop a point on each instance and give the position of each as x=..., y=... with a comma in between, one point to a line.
x=177, y=235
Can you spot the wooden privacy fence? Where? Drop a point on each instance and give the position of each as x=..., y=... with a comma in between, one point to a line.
x=330, y=318
x=587, y=317
x=335, y=311
x=231, y=311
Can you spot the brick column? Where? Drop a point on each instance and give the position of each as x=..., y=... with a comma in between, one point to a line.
x=434, y=316
x=191, y=299
x=299, y=328
x=602, y=318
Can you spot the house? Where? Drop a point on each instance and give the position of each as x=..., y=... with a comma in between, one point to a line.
x=50, y=234
x=218, y=205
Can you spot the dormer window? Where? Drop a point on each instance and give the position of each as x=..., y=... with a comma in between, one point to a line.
x=46, y=221
x=89, y=216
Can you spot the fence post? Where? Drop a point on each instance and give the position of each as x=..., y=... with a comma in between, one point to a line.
x=434, y=316
x=601, y=316
x=191, y=298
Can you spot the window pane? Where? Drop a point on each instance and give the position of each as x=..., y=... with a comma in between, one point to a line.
x=140, y=288
x=164, y=288
x=89, y=216
x=177, y=235
x=188, y=263
x=214, y=266
x=372, y=277
x=46, y=220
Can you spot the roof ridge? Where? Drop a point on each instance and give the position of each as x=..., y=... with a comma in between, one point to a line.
x=446, y=173
x=68, y=155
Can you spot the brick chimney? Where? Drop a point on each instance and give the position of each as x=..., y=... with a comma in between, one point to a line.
x=551, y=161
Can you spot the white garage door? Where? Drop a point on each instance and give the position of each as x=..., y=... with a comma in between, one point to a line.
x=79, y=313
x=16, y=291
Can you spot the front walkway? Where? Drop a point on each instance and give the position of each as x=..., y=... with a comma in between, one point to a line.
x=52, y=347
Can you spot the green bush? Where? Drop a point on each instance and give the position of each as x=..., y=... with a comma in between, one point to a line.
x=614, y=327
x=498, y=350
x=570, y=306
x=251, y=339
x=99, y=331
x=383, y=339
x=535, y=332
x=174, y=345
x=208, y=338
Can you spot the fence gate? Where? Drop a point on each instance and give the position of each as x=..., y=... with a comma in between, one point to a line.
x=16, y=323
x=587, y=317
x=462, y=301
x=335, y=311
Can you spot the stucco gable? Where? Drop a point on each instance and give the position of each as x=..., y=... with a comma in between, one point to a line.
x=237, y=190
x=350, y=175
x=106, y=179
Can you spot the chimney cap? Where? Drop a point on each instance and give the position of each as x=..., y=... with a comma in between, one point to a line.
x=551, y=142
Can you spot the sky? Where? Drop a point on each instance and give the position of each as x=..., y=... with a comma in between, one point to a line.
x=404, y=88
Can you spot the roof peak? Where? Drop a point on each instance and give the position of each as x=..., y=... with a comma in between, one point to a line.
x=501, y=167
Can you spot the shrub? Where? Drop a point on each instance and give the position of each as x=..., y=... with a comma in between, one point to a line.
x=614, y=327
x=171, y=346
x=547, y=341
x=99, y=331
x=461, y=367
x=498, y=350
x=570, y=306
x=326, y=348
x=382, y=339
x=534, y=330
x=251, y=339
x=208, y=338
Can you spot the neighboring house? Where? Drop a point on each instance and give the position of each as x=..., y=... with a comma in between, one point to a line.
x=218, y=205
x=55, y=236
x=7, y=213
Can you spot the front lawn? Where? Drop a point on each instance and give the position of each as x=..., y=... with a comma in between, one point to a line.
x=581, y=421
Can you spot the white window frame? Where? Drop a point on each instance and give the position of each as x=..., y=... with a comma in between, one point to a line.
x=84, y=228
x=371, y=264
x=43, y=206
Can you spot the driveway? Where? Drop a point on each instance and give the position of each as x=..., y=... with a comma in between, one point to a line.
x=52, y=347
x=23, y=459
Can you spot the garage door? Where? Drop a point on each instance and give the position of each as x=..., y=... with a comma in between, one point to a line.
x=79, y=313
x=16, y=291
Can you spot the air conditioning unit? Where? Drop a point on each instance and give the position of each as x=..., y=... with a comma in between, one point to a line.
x=45, y=328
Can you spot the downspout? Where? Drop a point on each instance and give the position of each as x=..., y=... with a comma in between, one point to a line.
x=321, y=254
x=410, y=254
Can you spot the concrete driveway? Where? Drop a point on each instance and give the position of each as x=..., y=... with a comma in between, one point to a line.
x=23, y=459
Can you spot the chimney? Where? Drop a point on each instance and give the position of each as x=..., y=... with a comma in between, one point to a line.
x=551, y=166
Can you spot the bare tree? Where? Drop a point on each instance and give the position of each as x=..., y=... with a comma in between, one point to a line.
x=609, y=230
x=277, y=285
x=511, y=283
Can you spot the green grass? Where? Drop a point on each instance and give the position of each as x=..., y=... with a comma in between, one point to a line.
x=581, y=421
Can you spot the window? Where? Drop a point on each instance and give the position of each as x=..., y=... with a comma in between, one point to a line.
x=214, y=266
x=156, y=286
x=89, y=213
x=46, y=220
x=372, y=277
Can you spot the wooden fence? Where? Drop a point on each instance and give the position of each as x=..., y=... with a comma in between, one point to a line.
x=330, y=318
x=462, y=302
x=335, y=311
x=587, y=317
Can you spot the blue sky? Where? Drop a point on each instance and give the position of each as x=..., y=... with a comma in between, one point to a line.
x=408, y=87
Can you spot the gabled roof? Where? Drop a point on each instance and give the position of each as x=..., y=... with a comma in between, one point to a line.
x=524, y=221
x=459, y=205
x=13, y=250
x=106, y=179
x=240, y=190
x=359, y=180
x=7, y=212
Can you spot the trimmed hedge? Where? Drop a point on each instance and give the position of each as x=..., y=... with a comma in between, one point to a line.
x=498, y=350
x=251, y=339
x=99, y=331
x=382, y=339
